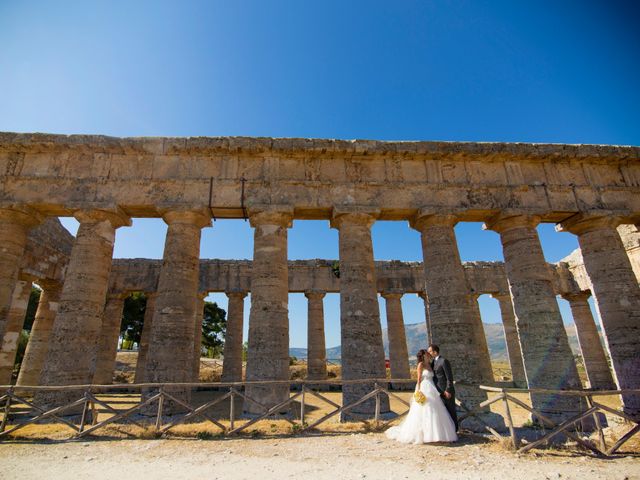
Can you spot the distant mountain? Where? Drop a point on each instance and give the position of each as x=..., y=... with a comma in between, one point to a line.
x=417, y=339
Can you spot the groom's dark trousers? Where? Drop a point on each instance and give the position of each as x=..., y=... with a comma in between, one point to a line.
x=443, y=378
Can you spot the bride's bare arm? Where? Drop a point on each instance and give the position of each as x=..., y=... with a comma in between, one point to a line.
x=419, y=376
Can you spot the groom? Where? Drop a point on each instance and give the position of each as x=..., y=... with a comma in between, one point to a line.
x=443, y=378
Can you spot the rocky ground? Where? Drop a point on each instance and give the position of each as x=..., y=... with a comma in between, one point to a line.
x=350, y=456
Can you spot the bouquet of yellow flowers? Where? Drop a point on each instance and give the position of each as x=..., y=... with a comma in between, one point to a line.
x=419, y=397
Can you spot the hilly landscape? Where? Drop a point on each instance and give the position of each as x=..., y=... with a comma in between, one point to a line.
x=417, y=339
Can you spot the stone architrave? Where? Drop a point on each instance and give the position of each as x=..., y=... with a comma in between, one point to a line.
x=617, y=297
x=108, y=341
x=361, y=332
x=398, y=353
x=38, y=345
x=232, y=363
x=548, y=360
x=268, y=351
x=145, y=336
x=76, y=330
x=15, y=223
x=316, y=347
x=197, y=335
x=595, y=361
x=456, y=326
x=15, y=322
x=170, y=354
x=511, y=339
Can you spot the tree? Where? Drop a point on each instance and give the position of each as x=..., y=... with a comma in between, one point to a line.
x=214, y=327
x=34, y=299
x=133, y=317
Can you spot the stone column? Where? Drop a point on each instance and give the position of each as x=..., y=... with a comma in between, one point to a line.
x=456, y=326
x=481, y=338
x=197, y=335
x=398, y=354
x=268, y=354
x=13, y=328
x=73, y=348
x=145, y=336
x=38, y=346
x=316, y=347
x=14, y=226
x=232, y=363
x=548, y=360
x=108, y=340
x=593, y=356
x=617, y=296
x=425, y=300
x=511, y=338
x=170, y=354
x=361, y=332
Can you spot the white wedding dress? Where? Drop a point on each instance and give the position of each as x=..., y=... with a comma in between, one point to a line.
x=427, y=422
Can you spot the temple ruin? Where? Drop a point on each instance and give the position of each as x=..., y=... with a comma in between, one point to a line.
x=590, y=191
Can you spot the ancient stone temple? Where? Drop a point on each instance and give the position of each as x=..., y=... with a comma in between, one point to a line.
x=589, y=191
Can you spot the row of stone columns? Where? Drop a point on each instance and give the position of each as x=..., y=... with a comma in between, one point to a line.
x=597, y=369
x=617, y=297
x=83, y=327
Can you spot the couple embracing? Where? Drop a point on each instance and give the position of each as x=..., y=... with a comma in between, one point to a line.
x=432, y=414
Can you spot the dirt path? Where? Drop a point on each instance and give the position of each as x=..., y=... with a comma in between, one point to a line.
x=355, y=456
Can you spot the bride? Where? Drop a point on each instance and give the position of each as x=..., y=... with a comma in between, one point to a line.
x=429, y=421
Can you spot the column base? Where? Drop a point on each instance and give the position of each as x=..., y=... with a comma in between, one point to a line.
x=169, y=407
x=494, y=420
x=556, y=408
x=48, y=400
x=366, y=410
x=267, y=396
x=472, y=396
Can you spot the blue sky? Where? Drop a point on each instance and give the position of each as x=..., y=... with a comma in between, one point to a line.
x=425, y=70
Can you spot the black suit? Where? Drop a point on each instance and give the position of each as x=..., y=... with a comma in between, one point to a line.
x=443, y=378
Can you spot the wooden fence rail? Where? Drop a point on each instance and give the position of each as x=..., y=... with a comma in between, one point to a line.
x=18, y=409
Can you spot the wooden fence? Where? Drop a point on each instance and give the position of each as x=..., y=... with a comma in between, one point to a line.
x=18, y=409
x=569, y=427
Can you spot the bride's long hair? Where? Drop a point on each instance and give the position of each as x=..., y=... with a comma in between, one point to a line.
x=421, y=355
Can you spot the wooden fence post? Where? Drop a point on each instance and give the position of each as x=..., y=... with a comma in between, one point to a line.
x=302, y=406
x=377, y=413
x=7, y=409
x=232, y=408
x=514, y=437
x=160, y=406
x=596, y=420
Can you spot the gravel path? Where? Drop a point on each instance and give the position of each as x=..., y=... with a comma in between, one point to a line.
x=355, y=456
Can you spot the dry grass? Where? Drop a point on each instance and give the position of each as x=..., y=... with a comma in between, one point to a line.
x=210, y=369
x=314, y=409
